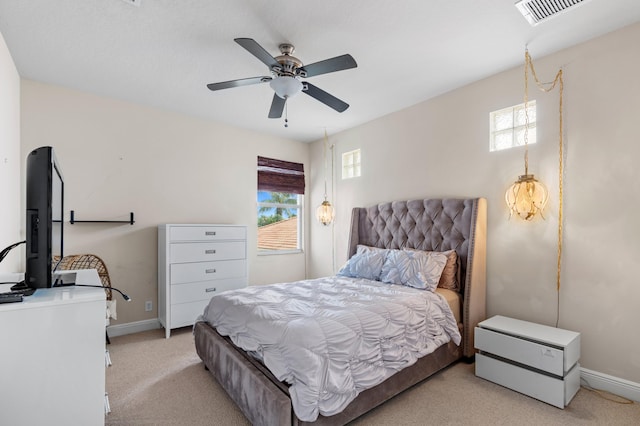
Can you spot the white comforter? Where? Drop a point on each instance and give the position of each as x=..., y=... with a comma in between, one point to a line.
x=332, y=338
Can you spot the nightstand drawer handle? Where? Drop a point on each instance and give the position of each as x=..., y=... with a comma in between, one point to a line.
x=210, y=233
x=210, y=271
x=209, y=290
x=212, y=251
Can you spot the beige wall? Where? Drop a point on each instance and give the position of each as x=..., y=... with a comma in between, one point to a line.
x=10, y=160
x=165, y=167
x=118, y=157
x=440, y=148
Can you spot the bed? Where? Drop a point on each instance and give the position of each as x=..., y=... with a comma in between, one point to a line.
x=434, y=225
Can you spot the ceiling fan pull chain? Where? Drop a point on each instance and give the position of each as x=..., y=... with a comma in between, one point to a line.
x=286, y=115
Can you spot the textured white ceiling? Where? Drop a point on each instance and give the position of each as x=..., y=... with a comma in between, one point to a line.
x=162, y=53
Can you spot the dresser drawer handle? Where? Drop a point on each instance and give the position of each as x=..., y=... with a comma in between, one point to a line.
x=210, y=233
x=210, y=271
x=212, y=251
x=209, y=290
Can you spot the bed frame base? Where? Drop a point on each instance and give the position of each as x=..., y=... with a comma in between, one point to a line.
x=251, y=385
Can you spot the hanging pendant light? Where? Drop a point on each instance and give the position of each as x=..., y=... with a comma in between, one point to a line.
x=325, y=212
x=527, y=196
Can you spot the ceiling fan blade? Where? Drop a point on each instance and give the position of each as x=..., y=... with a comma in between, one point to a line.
x=238, y=83
x=258, y=51
x=325, y=97
x=277, y=106
x=338, y=63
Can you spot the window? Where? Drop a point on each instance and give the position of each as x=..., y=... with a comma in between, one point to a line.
x=279, y=221
x=507, y=126
x=280, y=194
x=351, y=164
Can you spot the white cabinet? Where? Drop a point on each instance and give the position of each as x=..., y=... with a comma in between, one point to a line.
x=533, y=359
x=196, y=262
x=52, y=354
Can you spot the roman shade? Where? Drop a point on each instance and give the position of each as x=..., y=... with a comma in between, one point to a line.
x=280, y=176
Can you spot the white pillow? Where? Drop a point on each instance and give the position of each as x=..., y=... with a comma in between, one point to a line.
x=364, y=264
x=450, y=277
x=413, y=268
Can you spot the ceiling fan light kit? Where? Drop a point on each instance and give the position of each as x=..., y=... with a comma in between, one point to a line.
x=286, y=87
x=286, y=74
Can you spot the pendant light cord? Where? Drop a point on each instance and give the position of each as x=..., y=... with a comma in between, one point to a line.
x=559, y=81
x=324, y=154
x=333, y=228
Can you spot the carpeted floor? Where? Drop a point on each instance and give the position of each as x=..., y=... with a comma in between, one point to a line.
x=158, y=381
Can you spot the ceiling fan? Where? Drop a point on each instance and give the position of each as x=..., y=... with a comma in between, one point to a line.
x=286, y=74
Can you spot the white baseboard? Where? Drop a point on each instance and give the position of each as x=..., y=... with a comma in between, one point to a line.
x=614, y=385
x=133, y=327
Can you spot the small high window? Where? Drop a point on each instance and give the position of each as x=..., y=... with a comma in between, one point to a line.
x=351, y=164
x=507, y=126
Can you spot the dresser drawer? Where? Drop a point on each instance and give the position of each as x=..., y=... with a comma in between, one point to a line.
x=184, y=314
x=201, y=252
x=207, y=271
x=554, y=391
x=533, y=354
x=203, y=290
x=207, y=233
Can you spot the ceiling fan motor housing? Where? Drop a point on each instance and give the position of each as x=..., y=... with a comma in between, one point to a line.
x=290, y=64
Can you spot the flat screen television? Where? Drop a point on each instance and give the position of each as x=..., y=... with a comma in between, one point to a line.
x=45, y=213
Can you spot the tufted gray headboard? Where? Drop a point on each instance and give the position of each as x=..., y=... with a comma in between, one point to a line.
x=434, y=225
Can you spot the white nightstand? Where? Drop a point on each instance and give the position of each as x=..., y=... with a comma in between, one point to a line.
x=536, y=360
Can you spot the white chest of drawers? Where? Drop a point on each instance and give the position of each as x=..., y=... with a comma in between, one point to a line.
x=533, y=359
x=196, y=262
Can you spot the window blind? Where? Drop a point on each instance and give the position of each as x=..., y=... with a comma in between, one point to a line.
x=280, y=176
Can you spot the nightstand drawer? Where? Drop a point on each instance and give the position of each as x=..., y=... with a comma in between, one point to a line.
x=541, y=357
x=203, y=252
x=207, y=233
x=205, y=290
x=554, y=391
x=206, y=271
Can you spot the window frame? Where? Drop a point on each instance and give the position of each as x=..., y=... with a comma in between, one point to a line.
x=515, y=127
x=299, y=207
x=353, y=165
x=284, y=177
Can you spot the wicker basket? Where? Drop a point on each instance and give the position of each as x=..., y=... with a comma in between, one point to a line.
x=87, y=261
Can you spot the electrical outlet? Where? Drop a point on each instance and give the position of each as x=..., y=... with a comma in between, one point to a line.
x=148, y=306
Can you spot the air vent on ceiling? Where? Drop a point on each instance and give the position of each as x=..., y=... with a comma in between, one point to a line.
x=536, y=11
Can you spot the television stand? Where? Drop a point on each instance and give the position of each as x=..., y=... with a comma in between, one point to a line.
x=56, y=337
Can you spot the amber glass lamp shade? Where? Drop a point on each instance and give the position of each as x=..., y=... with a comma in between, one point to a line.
x=527, y=197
